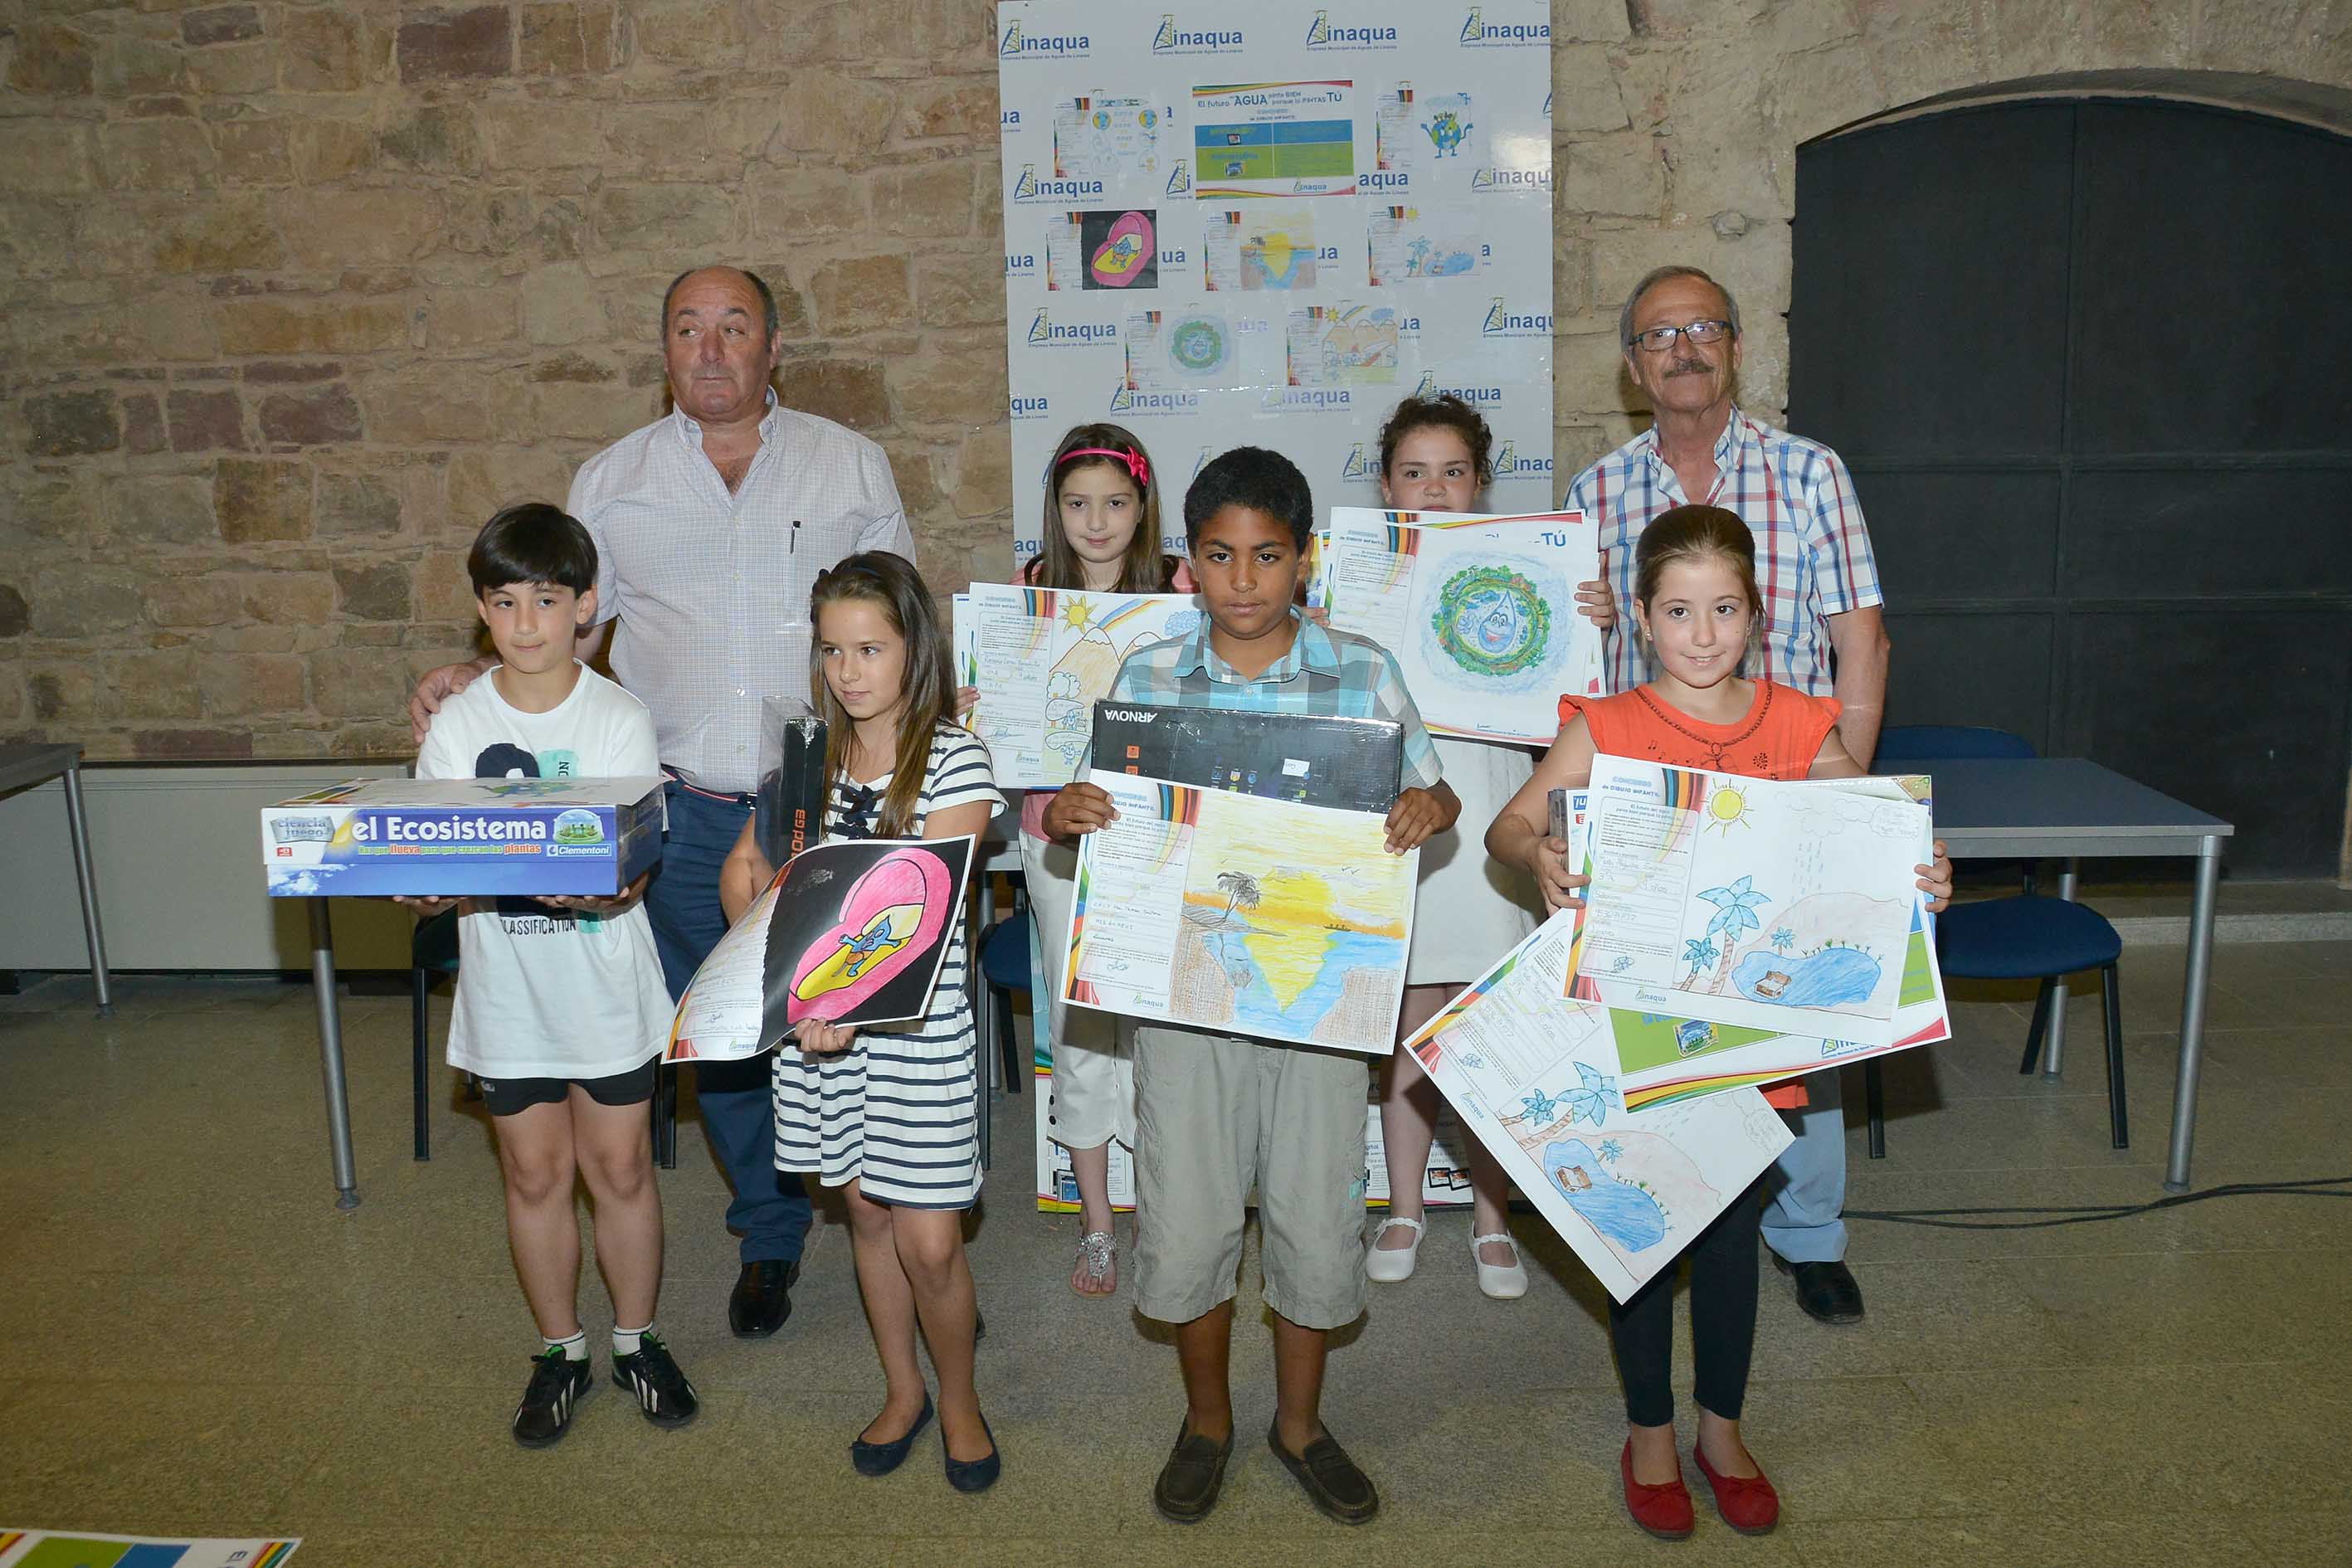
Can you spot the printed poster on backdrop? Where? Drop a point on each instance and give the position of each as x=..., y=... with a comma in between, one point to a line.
x=1233, y=223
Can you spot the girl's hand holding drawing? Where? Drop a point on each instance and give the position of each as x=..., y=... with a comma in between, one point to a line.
x=967, y=699
x=1418, y=815
x=1596, y=604
x=1935, y=880
x=1080, y=808
x=819, y=1038
x=1562, y=888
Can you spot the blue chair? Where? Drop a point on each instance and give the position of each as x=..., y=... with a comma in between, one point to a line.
x=1005, y=967
x=2026, y=937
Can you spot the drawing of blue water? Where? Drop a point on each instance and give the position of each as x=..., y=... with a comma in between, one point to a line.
x=1255, y=1011
x=1618, y=1210
x=1828, y=979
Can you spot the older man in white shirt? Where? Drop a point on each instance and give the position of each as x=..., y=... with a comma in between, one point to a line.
x=711, y=523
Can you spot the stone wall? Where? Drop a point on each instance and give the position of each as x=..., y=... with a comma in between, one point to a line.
x=297, y=293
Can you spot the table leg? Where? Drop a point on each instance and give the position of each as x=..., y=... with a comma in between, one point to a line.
x=986, y=1047
x=331, y=1055
x=2053, y=1040
x=2192, y=1014
x=77, y=825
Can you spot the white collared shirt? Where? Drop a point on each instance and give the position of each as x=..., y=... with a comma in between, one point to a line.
x=712, y=589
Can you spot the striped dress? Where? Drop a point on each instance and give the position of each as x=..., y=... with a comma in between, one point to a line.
x=896, y=1112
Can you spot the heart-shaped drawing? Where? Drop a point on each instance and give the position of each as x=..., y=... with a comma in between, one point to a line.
x=1119, y=259
x=890, y=918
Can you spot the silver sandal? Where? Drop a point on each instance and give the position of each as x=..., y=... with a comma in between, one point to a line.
x=1098, y=1256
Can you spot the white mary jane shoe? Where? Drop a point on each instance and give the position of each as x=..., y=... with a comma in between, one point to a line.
x=1394, y=1263
x=1507, y=1282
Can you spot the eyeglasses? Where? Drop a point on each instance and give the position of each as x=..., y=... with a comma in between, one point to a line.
x=1658, y=339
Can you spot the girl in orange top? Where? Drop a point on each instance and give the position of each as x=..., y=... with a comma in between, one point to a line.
x=1695, y=600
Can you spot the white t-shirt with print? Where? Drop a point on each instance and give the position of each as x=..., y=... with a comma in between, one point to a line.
x=542, y=993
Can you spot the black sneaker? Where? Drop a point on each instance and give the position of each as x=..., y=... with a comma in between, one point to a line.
x=650, y=1374
x=556, y=1386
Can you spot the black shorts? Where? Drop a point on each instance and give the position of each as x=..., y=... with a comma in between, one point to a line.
x=506, y=1096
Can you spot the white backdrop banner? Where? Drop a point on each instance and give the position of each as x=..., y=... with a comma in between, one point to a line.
x=1263, y=222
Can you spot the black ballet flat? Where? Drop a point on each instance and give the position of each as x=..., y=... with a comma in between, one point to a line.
x=977, y=1475
x=881, y=1458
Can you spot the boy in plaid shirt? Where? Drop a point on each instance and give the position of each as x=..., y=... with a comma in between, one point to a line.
x=1217, y=1116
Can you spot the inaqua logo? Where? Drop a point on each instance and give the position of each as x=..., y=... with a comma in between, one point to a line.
x=1306, y=399
x=1357, y=467
x=1511, y=179
x=1373, y=181
x=1180, y=179
x=1504, y=34
x=1125, y=399
x=1019, y=264
x=1021, y=46
x=1030, y=188
x=1045, y=333
x=1509, y=465
x=1322, y=35
x=1502, y=323
x=1173, y=39
x=1010, y=120
x=1038, y=407
x=1482, y=398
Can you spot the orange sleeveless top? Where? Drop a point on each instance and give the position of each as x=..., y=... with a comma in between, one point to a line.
x=1777, y=738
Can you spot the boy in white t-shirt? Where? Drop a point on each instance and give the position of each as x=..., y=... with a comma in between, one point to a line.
x=560, y=1010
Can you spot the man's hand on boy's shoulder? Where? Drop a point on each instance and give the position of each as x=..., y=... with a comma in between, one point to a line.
x=1077, y=809
x=437, y=687
x=1419, y=815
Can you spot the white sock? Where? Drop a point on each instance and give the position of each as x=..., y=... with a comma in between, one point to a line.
x=573, y=1349
x=624, y=1340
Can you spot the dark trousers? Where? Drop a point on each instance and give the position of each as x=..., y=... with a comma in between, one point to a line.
x=771, y=1211
x=1723, y=1322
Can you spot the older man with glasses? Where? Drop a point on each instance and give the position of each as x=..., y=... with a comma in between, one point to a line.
x=1822, y=634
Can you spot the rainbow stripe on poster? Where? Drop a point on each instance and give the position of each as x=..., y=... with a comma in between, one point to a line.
x=1422, y=1043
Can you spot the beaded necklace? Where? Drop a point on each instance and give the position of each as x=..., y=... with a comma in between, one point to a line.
x=1714, y=749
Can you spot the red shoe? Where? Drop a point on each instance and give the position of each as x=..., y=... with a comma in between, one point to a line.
x=1662, y=1511
x=1747, y=1503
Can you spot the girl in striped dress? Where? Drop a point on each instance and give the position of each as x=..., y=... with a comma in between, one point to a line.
x=890, y=1115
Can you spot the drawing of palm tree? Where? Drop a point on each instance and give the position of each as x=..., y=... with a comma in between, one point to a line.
x=1783, y=939
x=1698, y=951
x=1241, y=890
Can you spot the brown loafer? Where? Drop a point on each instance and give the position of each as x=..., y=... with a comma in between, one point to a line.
x=1331, y=1480
x=1189, y=1482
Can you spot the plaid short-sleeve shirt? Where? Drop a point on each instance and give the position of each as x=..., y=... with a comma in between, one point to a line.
x=1337, y=674
x=1812, y=550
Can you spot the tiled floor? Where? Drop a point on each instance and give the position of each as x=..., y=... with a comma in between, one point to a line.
x=203, y=1344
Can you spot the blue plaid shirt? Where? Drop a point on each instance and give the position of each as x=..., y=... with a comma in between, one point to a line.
x=1336, y=674
x=1813, y=558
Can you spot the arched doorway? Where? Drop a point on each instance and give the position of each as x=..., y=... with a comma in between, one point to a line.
x=2090, y=360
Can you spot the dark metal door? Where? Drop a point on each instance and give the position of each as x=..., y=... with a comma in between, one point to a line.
x=2090, y=364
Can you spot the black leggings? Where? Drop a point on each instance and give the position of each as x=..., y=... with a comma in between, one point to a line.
x=1723, y=1321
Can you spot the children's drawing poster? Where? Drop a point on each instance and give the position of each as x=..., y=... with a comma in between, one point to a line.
x=1231, y=223
x=1242, y=915
x=1480, y=612
x=852, y=931
x=1536, y=1077
x=1777, y=906
x=80, y=1549
x=1041, y=657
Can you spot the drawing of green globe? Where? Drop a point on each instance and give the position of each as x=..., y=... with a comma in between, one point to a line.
x=1491, y=621
x=1197, y=345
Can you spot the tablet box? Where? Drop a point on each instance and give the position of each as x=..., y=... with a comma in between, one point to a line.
x=1352, y=764
x=475, y=837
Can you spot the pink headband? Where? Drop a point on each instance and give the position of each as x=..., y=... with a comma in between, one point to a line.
x=1134, y=461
